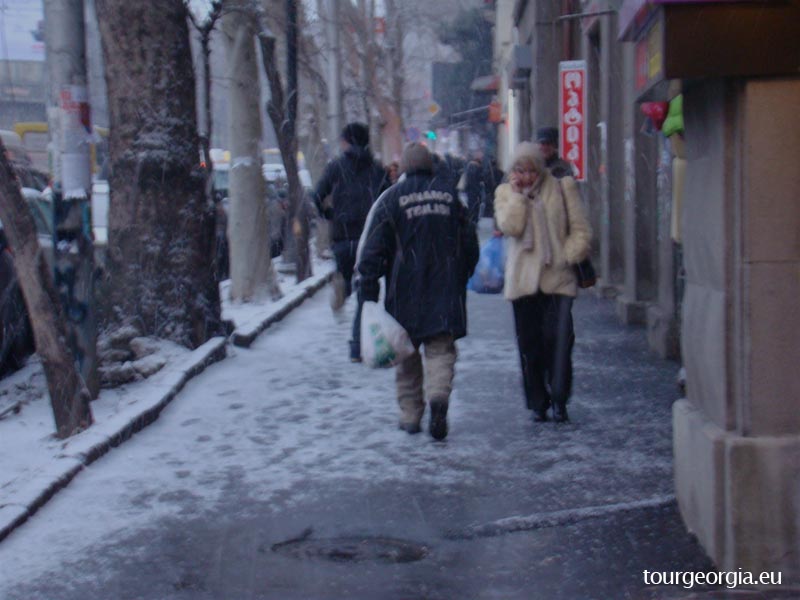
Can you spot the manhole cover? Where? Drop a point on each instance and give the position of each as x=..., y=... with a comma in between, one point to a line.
x=354, y=549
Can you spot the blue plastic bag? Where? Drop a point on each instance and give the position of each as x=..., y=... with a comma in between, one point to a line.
x=489, y=272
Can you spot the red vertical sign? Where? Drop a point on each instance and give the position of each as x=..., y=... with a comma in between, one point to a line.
x=573, y=115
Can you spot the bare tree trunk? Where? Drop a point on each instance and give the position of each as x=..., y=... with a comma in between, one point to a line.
x=161, y=224
x=252, y=274
x=396, y=55
x=281, y=114
x=335, y=114
x=69, y=397
x=205, y=140
x=298, y=212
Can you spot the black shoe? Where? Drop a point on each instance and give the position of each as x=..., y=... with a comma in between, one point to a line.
x=540, y=416
x=410, y=428
x=438, y=423
x=560, y=413
x=355, y=352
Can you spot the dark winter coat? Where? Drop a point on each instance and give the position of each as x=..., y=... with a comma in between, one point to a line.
x=474, y=187
x=354, y=181
x=419, y=237
x=558, y=167
x=492, y=177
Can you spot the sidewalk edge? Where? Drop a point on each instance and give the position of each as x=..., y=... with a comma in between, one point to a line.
x=244, y=337
x=214, y=353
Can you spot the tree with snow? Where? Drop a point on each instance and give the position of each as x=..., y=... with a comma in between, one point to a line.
x=252, y=273
x=160, y=275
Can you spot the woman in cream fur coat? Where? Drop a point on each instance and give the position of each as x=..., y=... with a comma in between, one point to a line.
x=548, y=233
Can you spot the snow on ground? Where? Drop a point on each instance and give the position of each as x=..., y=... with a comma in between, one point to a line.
x=291, y=416
x=263, y=415
x=28, y=446
x=247, y=313
x=30, y=455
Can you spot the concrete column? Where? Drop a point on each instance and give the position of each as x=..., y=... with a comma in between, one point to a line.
x=610, y=232
x=595, y=189
x=737, y=434
x=662, y=325
x=640, y=198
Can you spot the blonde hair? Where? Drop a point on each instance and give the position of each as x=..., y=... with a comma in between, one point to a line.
x=529, y=155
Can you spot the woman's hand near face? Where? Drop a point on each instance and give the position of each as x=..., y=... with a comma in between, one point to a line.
x=515, y=179
x=522, y=179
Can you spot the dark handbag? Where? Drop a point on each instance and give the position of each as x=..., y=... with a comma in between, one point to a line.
x=584, y=270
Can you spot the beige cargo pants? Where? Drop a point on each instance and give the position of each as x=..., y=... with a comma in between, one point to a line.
x=437, y=375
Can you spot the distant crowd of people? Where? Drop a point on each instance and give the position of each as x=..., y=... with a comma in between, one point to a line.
x=413, y=223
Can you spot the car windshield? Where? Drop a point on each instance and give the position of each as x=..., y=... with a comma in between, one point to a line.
x=42, y=212
x=221, y=179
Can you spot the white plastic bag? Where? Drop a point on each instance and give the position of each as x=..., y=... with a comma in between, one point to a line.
x=384, y=342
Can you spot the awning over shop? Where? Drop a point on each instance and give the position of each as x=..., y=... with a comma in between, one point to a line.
x=633, y=14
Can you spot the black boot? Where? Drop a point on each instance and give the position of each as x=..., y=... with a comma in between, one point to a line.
x=438, y=423
x=355, y=352
x=560, y=412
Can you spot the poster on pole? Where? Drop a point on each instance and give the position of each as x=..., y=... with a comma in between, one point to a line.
x=572, y=108
x=76, y=137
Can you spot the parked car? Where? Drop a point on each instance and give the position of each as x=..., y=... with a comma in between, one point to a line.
x=221, y=176
x=16, y=337
x=274, y=170
x=29, y=176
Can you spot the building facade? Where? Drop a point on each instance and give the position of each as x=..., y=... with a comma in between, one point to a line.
x=697, y=228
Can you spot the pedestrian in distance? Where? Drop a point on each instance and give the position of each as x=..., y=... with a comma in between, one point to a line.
x=492, y=177
x=418, y=235
x=547, y=140
x=474, y=185
x=393, y=172
x=547, y=230
x=353, y=180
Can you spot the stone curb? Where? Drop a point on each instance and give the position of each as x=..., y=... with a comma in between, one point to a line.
x=245, y=336
x=85, y=452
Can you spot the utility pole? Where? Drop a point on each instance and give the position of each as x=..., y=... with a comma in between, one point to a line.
x=70, y=142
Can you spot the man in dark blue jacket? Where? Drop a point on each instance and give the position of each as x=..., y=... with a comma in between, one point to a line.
x=418, y=235
x=353, y=180
x=547, y=138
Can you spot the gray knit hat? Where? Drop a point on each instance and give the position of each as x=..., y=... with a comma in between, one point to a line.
x=416, y=157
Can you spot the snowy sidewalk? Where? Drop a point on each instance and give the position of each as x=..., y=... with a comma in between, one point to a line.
x=280, y=473
x=34, y=465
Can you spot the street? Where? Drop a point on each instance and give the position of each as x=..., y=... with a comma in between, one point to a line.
x=280, y=473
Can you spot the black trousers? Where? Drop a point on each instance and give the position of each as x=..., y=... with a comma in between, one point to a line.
x=545, y=337
x=345, y=254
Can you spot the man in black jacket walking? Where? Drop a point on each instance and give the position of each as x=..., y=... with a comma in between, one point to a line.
x=547, y=139
x=353, y=180
x=418, y=235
